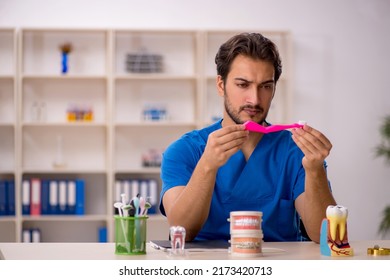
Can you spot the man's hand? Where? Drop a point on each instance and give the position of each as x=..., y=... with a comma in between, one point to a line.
x=315, y=146
x=223, y=143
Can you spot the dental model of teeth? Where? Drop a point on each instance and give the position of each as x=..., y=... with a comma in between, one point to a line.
x=334, y=234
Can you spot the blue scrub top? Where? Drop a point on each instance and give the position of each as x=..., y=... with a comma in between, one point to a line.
x=270, y=181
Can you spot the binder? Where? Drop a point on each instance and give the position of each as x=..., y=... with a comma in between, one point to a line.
x=153, y=193
x=126, y=189
x=11, y=198
x=62, y=188
x=102, y=234
x=3, y=198
x=53, y=197
x=144, y=186
x=134, y=188
x=117, y=195
x=71, y=198
x=80, y=197
x=45, y=197
x=26, y=190
x=118, y=190
x=26, y=236
x=35, y=235
x=35, y=206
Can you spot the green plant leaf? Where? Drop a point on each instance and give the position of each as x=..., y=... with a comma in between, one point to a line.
x=384, y=226
x=383, y=150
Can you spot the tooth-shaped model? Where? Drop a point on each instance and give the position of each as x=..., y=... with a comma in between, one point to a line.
x=337, y=217
x=334, y=235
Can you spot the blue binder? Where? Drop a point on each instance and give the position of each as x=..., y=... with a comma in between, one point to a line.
x=102, y=234
x=3, y=198
x=45, y=192
x=11, y=198
x=80, y=197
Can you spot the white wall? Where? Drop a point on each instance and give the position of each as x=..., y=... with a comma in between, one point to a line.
x=341, y=51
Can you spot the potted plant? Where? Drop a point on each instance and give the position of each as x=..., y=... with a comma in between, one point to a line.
x=383, y=150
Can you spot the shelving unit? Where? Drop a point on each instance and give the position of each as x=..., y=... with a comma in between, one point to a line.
x=39, y=141
x=8, y=122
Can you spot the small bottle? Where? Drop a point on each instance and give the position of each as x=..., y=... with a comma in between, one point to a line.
x=88, y=114
x=71, y=113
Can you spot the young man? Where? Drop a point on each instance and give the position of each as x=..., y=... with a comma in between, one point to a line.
x=208, y=173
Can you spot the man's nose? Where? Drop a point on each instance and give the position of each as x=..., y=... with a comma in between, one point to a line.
x=253, y=96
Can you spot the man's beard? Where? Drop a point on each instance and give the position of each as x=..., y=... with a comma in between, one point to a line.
x=234, y=115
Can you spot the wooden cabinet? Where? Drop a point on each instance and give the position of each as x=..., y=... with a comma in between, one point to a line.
x=134, y=91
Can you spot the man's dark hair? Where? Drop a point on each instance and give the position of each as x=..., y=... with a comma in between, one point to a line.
x=253, y=45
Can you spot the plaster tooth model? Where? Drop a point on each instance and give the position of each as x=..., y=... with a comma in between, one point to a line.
x=337, y=216
x=334, y=234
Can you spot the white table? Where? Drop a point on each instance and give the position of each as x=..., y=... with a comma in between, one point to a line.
x=106, y=251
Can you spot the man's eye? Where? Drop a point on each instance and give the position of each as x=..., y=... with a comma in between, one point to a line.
x=268, y=86
x=242, y=85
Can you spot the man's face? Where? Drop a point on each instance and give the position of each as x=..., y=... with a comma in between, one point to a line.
x=248, y=90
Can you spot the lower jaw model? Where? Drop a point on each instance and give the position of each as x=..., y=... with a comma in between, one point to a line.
x=334, y=234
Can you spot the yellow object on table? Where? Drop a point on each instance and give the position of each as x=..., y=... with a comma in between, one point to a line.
x=378, y=251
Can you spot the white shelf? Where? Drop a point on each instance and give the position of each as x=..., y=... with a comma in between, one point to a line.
x=83, y=124
x=154, y=76
x=35, y=97
x=63, y=170
x=63, y=77
x=149, y=170
x=155, y=124
x=65, y=218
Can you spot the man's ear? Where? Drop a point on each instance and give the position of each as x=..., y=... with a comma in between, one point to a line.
x=220, y=86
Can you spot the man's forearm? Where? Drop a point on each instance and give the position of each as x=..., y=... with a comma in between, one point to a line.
x=317, y=198
x=191, y=207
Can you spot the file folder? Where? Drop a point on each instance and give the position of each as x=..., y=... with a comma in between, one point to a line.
x=35, y=206
x=53, y=197
x=11, y=197
x=45, y=197
x=62, y=189
x=26, y=236
x=3, y=198
x=153, y=193
x=71, y=198
x=80, y=197
x=26, y=197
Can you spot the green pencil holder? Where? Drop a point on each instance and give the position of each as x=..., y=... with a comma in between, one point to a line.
x=130, y=235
